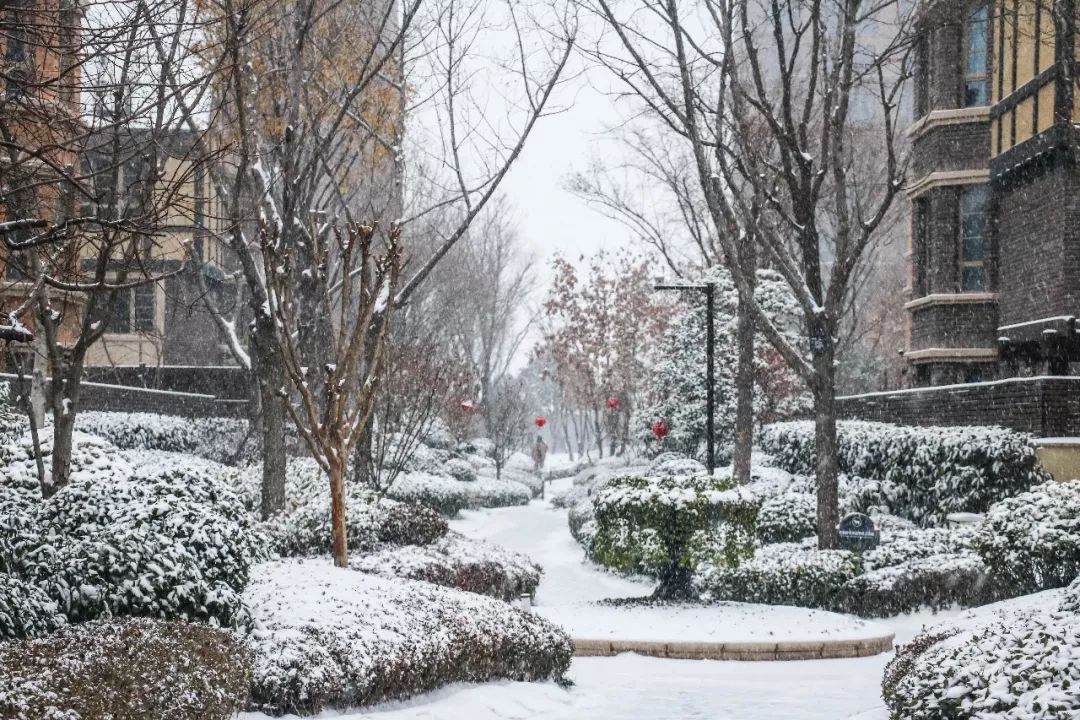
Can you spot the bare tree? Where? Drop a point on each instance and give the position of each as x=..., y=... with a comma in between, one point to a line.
x=332, y=404
x=313, y=96
x=94, y=169
x=775, y=100
x=506, y=414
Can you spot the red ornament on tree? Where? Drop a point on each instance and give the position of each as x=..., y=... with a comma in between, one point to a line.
x=540, y=422
x=613, y=403
x=660, y=429
x=467, y=405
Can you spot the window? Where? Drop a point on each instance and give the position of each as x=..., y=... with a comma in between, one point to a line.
x=923, y=73
x=133, y=310
x=973, y=238
x=921, y=237
x=977, y=56
x=15, y=48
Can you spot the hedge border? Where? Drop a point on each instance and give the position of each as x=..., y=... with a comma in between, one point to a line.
x=741, y=651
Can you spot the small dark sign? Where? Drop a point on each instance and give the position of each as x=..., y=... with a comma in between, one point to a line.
x=857, y=533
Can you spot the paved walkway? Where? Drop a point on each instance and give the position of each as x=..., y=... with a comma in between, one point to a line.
x=571, y=586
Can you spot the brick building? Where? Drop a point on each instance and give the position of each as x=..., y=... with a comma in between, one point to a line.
x=994, y=203
x=994, y=251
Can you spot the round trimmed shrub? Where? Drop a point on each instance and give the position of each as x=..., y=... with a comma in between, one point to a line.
x=675, y=465
x=126, y=670
x=787, y=518
x=458, y=562
x=1020, y=668
x=368, y=639
x=460, y=470
x=369, y=523
x=781, y=574
x=1031, y=542
x=664, y=525
x=936, y=582
x=170, y=544
x=25, y=611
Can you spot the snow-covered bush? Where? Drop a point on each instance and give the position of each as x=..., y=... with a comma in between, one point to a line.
x=92, y=458
x=370, y=522
x=664, y=525
x=330, y=637
x=225, y=440
x=926, y=472
x=1031, y=542
x=787, y=518
x=678, y=381
x=936, y=582
x=450, y=496
x=25, y=611
x=673, y=464
x=781, y=574
x=167, y=543
x=900, y=545
x=1022, y=667
x=125, y=670
x=458, y=562
x=460, y=470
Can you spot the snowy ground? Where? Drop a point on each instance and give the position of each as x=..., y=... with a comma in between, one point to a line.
x=630, y=686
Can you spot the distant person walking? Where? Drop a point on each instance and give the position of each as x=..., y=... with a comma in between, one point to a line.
x=539, y=455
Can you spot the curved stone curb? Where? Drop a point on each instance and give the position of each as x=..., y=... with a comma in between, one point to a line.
x=746, y=651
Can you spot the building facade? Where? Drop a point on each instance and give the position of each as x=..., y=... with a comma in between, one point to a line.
x=994, y=244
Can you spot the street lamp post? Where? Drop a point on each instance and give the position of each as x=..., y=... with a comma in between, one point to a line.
x=709, y=288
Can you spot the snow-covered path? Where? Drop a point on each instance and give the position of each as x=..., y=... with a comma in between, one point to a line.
x=628, y=687
x=571, y=585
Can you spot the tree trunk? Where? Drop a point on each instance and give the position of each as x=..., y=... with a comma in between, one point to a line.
x=338, y=532
x=38, y=374
x=828, y=512
x=271, y=375
x=65, y=404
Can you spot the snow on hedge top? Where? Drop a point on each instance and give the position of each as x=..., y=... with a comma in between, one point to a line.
x=678, y=492
x=92, y=459
x=331, y=636
x=933, y=471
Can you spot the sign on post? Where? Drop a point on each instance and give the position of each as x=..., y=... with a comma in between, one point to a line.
x=857, y=533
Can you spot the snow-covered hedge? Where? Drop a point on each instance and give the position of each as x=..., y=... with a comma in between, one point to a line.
x=1023, y=666
x=370, y=522
x=788, y=517
x=1031, y=542
x=165, y=542
x=458, y=562
x=665, y=525
x=125, y=670
x=936, y=582
x=929, y=471
x=25, y=611
x=450, y=496
x=330, y=637
x=781, y=574
x=225, y=440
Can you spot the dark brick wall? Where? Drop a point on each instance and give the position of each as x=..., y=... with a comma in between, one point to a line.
x=227, y=383
x=954, y=326
x=191, y=337
x=1038, y=244
x=1046, y=407
x=117, y=398
x=946, y=148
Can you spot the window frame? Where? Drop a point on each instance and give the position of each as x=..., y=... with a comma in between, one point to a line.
x=964, y=262
x=984, y=77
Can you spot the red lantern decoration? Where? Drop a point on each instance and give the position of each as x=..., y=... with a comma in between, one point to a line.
x=660, y=429
x=540, y=422
x=467, y=405
x=614, y=403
